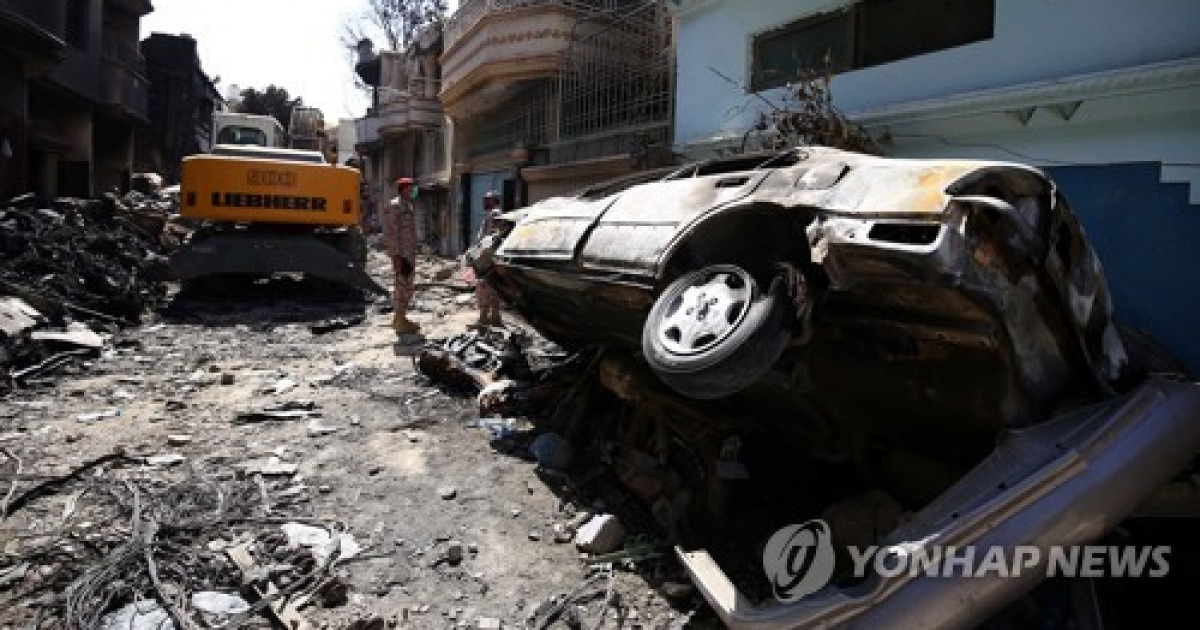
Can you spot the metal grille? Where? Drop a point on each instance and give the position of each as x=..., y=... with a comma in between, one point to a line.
x=612, y=94
x=527, y=118
x=617, y=73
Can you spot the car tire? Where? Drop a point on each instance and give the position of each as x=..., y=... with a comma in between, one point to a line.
x=712, y=332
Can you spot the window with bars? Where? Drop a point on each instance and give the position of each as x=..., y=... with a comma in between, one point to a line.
x=611, y=95
x=618, y=77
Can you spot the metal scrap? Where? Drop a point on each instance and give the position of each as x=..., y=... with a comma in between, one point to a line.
x=475, y=359
x=157, y=545
x=89, y=254
x=292, y=410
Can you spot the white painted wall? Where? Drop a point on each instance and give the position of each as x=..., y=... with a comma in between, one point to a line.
x=1035, y=40
x=347, y=137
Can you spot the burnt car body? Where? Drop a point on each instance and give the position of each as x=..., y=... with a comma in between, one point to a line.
x=900, y=316
x=888, y=263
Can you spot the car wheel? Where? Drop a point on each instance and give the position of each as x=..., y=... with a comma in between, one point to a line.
x=713, y=332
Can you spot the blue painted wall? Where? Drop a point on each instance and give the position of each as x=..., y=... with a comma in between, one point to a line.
x=481, y=183
x=1035, y=40
x=1148, y=238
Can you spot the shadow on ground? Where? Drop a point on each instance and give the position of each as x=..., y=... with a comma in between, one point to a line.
x=236, y=300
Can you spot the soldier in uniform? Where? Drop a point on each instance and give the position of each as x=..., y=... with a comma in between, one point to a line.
x=486, y=298
x=400, y=236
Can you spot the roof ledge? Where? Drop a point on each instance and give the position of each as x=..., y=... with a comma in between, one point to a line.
x=1166, y=75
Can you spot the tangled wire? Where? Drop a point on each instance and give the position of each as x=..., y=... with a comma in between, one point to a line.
x=148, y=539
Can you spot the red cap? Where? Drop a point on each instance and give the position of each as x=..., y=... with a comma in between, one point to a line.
x=404, y=181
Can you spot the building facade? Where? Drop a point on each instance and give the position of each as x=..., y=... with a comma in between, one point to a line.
x=345, y=138
x=1102, y=94
x=182, y=100
x=547, y=96
x=73, y=90
x=404, y=134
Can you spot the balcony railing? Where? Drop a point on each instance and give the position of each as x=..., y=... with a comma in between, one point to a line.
x=527, y=120
x=470, y=12
x=420, y=88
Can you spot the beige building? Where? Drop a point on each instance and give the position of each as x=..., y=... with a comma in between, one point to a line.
x=547, y=96
x=529, y=98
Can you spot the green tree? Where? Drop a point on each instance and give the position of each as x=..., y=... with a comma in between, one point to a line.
x=272, y=101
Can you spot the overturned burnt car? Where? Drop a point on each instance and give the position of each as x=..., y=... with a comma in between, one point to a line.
x=941, y=327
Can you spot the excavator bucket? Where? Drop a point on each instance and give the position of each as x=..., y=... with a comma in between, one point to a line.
x=264, y=254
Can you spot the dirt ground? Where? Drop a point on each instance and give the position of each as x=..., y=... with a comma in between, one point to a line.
x=398, y=461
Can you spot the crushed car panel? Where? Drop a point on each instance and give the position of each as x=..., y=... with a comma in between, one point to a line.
x=1064, y=482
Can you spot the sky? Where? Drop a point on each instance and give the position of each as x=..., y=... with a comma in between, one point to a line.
x=255, y=43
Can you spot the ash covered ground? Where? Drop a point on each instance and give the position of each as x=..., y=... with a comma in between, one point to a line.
x=284, y=425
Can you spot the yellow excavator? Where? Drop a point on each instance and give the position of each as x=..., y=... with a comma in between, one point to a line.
x=263, y=208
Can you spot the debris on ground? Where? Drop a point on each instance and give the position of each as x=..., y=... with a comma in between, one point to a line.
x=219, y=603
x=292, y=410
x=502, y=397
x=336, y=323
x=476, y=359
x=98, y=415
x=73, y=271
x=242, y=408
x=143, y=548
x=76, y=335
x=602, y=534
x=552, y=451
x=85, y=256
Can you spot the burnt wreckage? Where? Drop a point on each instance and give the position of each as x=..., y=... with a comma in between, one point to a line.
x=936, y=334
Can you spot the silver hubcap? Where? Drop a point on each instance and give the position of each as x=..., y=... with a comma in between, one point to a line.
x=707, y=310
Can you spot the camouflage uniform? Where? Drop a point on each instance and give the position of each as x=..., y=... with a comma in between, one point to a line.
x=400, y=238
x=486, y=297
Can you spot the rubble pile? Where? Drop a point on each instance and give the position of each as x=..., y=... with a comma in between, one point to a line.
x=101, y=256
x=74, y=263
x=119, y=542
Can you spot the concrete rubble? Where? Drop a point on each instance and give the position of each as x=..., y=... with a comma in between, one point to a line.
x=602, y=534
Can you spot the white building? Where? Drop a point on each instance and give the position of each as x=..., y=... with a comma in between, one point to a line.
x=1103, y=94
x=347, y=137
